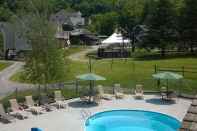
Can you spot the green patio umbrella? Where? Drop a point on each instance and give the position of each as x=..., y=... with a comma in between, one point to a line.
x=167, y=76
x=90, y=77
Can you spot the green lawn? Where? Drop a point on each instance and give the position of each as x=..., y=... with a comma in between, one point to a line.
x=3, y=65
x=131, y=72
x=73, y=50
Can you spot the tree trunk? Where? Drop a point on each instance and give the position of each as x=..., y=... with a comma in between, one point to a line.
x=191, y=48
x=133, y=48
x=6, y=54
x=163, y=52
x=133, y=43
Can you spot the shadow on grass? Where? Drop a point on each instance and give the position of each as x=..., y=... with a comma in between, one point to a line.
x=159, y=57
x=158, y=101
x=81, y=104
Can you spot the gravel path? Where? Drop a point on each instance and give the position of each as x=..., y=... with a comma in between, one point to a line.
x=7, y=86
x=81, y=56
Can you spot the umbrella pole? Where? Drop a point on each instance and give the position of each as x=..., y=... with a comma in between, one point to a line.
x=90, y=92
x=158, y=83
x=167, y=87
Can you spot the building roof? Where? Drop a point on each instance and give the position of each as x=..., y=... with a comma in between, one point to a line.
x=71, y=18
x=62, y=35
x=190, y=120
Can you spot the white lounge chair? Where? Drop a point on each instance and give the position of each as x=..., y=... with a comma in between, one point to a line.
x=45, y=103
x=59, y=100
x=139, y=93
x=32, y=106
x=118, y=92
x=102, y=94
x=97, y=99
x=16, y=110
x=4, y=117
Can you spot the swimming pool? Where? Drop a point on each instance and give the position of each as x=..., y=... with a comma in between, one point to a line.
x=131, y=120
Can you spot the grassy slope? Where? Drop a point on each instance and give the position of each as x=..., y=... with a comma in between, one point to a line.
x=131, y=72
x=3, y=65
x=73, y=50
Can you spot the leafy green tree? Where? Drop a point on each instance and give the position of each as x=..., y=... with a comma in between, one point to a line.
x=162, y=26
x=1, y=43
x=104, y=24
x=188, y=23
x=4, y=14
x=57, y=5
x=130, y=16
x=93, y=7
x=45, y=62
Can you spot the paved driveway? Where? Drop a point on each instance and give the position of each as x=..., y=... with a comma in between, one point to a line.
x=7, y=86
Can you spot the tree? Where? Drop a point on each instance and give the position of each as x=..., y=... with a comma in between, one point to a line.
x=162, y=26
x=130, y=17
x=93, y=7
x=188, y=23
x=57, y=5
x=4, y=14
x=104, y=24
x=1, y=43
x=45, y=62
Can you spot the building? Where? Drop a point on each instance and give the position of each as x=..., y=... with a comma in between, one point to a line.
x=70, y=25
x=71, y=18
x=13, y=41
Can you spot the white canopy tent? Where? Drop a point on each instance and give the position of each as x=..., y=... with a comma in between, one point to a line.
x=115, y=39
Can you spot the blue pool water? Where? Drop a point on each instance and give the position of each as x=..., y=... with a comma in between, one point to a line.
x=131, y=120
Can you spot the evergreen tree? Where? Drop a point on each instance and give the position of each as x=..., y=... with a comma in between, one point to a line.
x=162, y=26
x=188, y=23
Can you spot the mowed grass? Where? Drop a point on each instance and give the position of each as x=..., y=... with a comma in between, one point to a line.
x=131, y=72
x=4, y=65
x=74, y=49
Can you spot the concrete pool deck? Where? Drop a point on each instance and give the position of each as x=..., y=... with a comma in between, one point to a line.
x=74, y=117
